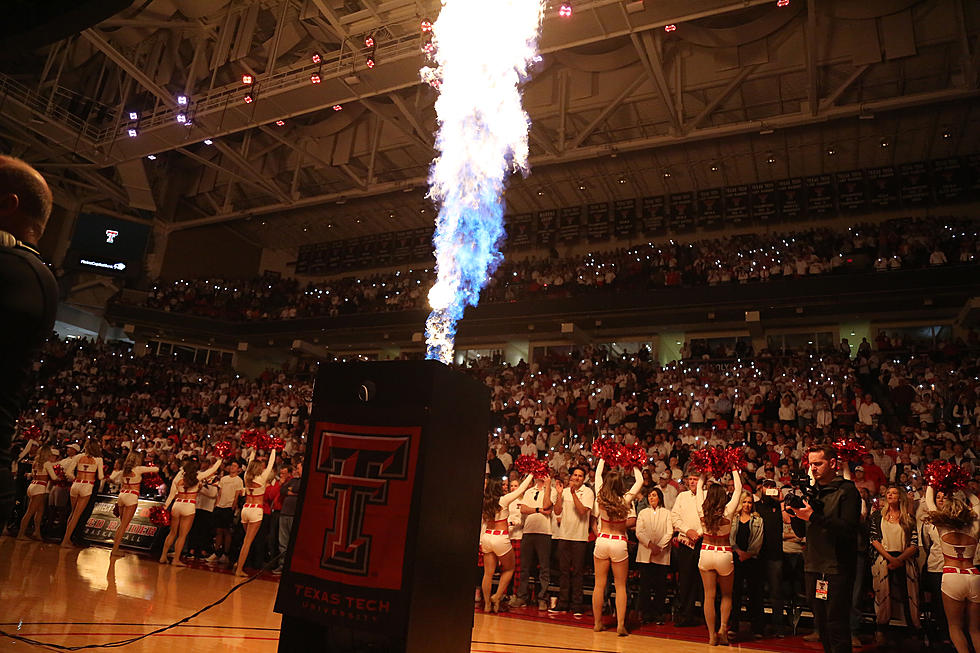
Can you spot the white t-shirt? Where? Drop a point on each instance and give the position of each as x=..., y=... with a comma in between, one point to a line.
x=206, y=496
x=229, y=487
x=573, y=526
x=537, y=523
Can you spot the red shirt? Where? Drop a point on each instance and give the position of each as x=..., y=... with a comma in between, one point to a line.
x=271, y=500
x=874, y=474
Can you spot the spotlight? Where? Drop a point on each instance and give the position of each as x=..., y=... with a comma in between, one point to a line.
x=248, y=99
x=316, y=57
x=670, y=28
x=884, y=143
x=151, y=157
x=338, y=107
x=565, y=11
x=247, y=79
x=946, y=134
x=132, y=132
x=182, y=100
x=280, y=123
x=831, y=151
x=426, y=25
x=622, y=180
x=581, y=186
x=182, y=118
x=369, y=63
x=540, y=193
x=666, y=173
x=770, y=159
x=315, y=78
x=715, y=167
x=369, y=42
x=208, y=141
x=133, y=115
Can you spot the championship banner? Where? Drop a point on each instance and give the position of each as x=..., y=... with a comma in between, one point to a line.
x=367, y=251
x=790, y=196
x=625, y=219
x=599, y=222
x=546, y=231
x=882, y=188
x=948, y=180
x=763, y=201
x=570, y=224
x=973, y=172
x=654, y=215
x=348, y=558
x=820, y=196
x=711, y=207
x=915, y=184
x=385, y=247
x=736, y=205
x=682, y=212
x=851, y=191
x=403, y=248
x=102, y=524
x=422, y=245
x=519, y=231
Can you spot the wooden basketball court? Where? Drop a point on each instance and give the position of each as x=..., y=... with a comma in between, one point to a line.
x=74, y=597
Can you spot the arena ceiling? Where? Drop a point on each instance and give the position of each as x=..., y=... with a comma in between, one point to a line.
x=621, y=105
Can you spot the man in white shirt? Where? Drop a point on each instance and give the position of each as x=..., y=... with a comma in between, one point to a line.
x=574, y=507
x=668, y=489
x=230, y=487
x=687, y=523
x=868, y=410
x=536, y=506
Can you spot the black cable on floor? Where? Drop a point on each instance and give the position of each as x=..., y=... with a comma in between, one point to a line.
x=132, y=640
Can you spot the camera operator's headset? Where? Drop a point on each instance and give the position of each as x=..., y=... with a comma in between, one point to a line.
x=7, y=240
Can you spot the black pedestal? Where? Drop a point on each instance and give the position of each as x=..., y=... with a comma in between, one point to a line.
x=382, y=549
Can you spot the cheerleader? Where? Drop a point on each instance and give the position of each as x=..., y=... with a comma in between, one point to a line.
x=613, y=507
x=129, y=479
x=183, y=496
x=717, y=563
x=495, y=538
x=252, y=512
x=42, y=473
x=88, y=469
x=959, y=527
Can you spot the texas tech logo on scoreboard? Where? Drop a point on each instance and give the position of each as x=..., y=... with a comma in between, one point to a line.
x=360, y=469
x=110, y=235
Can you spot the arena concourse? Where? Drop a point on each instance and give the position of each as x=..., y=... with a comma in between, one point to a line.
x=747, y=226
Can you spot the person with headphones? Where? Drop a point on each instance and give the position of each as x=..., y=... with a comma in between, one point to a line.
x=28, y=299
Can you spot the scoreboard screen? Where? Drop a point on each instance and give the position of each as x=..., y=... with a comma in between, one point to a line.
x=101, y=243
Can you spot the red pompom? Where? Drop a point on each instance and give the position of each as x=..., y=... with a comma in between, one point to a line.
x=33, y=432
x=531, y=465
x=224, y=449
x=62, y=481
x=849, y=450
x=275, y=442
x=946, y=477
x=633, y=455
x=604, y=448
x=619, y=455
x=716, y=463
x=250, y=437
x=159, y=516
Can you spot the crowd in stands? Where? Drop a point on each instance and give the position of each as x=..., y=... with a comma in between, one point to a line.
x=907, y=410
x=899, y=244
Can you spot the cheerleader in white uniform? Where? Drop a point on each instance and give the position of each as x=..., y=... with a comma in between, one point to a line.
x=42, y=473
x=183, y=495
x=129, y=479
x=88, y=470
x=495, y=538
x=256, y=479
x=614, y=508
x=958, y=524
x=717, y=563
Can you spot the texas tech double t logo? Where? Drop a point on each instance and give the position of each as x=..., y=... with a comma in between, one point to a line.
x=359, y=473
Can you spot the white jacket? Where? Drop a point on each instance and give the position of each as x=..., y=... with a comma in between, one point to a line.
x=654, y=527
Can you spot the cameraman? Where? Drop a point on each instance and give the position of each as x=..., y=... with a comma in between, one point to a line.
x=832, y=515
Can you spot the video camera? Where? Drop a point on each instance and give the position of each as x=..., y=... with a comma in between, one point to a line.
x=806, y=490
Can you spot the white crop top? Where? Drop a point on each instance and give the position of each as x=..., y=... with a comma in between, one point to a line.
x=256, y=487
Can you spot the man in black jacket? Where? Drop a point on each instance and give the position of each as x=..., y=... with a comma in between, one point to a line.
x=829, y=560
x=28, y=299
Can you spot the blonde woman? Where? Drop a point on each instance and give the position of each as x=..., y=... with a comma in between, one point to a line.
x=183, y=497
x=894, y=560
x=42, y=473
x=88, y=470
x=958, y=523
x=746, y=542
x=129, y=479
x=614, y=509
x=256, y=478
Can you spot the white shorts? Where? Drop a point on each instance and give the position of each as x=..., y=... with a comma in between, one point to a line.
x=495, y=542
x=611, y=547
x=252, y=512
x=716, y=558
x=128, y=498
x=82, y=488
x=37, y=489
x=183, y=508
x=961, y=584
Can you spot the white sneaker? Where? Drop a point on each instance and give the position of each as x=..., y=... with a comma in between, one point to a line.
x=211, y=558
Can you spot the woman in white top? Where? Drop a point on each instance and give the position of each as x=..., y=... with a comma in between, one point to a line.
x=42, y=473
x=183, y=497
x=129, y=479
x=654, y=530
x=256, y=478
x=495, y=538
x=613, y=507
x=958, y=524
x=87, y=469
x=717, y=563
